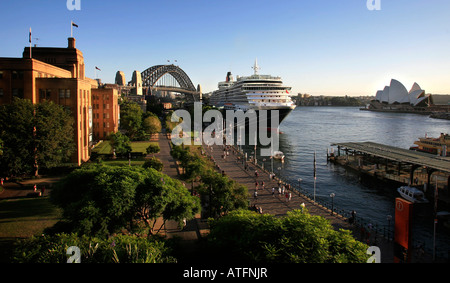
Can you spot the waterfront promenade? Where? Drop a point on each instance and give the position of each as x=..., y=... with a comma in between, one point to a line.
x=272, y=203
x=276, y=204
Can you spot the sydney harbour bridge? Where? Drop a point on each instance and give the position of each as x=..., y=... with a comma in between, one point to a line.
x=168, y=78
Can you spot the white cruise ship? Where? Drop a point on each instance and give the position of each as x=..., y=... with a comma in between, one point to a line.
x=257, y=92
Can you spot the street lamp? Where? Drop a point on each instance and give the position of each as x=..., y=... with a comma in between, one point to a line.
x=302, y=206
x=389, y=218
x=332, y=195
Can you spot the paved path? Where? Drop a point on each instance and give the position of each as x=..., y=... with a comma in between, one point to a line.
x=275, y=204
x=195, y=228
x=20, y=189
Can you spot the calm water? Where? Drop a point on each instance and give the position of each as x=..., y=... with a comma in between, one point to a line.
x=309, y=129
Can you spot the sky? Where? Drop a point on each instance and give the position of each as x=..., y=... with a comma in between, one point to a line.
x=319, y=47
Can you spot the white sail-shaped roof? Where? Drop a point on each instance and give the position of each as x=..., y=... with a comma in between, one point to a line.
x=414, y=88
x=378, y=95
x=419, y=100
x=415, y=95
x=397, y=91
x=385, y=94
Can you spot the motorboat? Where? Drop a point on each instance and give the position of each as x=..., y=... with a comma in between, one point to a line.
x=412, y=194
x=278, y=155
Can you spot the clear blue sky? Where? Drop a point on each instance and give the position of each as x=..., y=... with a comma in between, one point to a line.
x=319, y=47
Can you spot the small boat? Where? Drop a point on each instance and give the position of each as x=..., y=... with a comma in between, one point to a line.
x=412, y=194
x=278, y=155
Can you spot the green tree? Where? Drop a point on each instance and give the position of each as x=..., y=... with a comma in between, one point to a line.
x=120, y=143
x=153, y=148
x=295, y=238
x=98, y=200
x=33, y=136
x=181, y=154
x=151, y=124
x=131, y=118
x=101, y=200
x=16, y=130
x=154, y=163
x=54, y=134
x=224, y=194
x=162, y=196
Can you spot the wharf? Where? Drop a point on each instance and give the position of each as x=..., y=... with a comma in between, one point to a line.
x=396, y=164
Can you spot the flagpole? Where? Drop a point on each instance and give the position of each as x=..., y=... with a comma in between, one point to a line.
x=315, y=176
x=435, y=218
x=31, y=57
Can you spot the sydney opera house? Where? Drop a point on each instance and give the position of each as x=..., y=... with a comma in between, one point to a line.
x=397, y=97
x=396, y=93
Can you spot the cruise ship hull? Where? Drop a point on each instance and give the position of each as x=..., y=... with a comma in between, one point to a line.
x=282, y=113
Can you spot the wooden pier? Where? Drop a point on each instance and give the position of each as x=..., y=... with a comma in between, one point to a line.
x=396, y=164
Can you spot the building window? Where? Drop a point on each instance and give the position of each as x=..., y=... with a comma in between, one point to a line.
x=67, y=93
x=17, y=92
x=1, y=74
x=1, y=92
x=44, y=94
x=17, y=75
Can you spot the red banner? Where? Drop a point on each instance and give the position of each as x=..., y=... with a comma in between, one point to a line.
x=402, y=235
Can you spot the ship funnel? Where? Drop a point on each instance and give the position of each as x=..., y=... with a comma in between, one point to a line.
x=229, y=77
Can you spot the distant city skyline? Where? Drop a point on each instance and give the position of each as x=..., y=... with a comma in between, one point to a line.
x=319, y=47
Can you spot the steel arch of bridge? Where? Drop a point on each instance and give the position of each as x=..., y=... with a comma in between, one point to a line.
x=153, y=74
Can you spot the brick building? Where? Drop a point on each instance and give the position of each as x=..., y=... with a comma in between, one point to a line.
x=105, y=112
x=58, y=75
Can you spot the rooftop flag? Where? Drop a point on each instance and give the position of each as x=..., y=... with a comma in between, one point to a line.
x=72, y=24
x=29, y=40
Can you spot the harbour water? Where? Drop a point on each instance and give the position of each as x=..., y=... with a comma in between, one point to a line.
x=309, y=129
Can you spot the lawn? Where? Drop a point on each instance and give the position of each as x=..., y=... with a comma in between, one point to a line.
x=26, y=217
x=139, y=146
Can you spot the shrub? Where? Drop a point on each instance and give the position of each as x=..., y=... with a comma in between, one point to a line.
x=117, y=249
